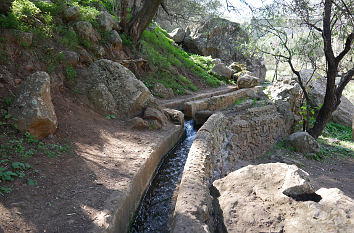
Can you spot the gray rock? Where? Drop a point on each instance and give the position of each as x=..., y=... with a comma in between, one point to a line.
x=99, y=51
x=162, y=91
x=216, y=37
x=247, y=81
x=263, y=198
x=105, y=21
x=85, y=30
x=223, y=70
x=85, y=57
x=130, y=94
x=33, y=107
x=115, y=39
x=102, y=99
x=304, y=142
x=155, y=114
x=71, y=13
x=177, y=35
x=70, y=58
x=174, y=116
x=138, y=123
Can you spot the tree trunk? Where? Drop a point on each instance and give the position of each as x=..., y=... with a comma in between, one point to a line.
x=141, y=20
x=123, y=14
x=328, y=106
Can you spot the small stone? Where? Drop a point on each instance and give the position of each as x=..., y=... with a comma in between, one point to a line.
x=155, y=114
x=70, y=58
x=29, y=67
x=138, y=123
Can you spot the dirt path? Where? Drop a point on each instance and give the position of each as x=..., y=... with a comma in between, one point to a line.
x=74, y=190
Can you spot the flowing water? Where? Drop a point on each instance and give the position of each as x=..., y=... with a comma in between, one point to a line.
x=158, y=204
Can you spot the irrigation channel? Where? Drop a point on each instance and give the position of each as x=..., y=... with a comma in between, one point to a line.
x=157, y=204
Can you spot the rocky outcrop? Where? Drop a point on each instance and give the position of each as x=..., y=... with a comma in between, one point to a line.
x=279, y=198
x=303, y=142
x=33, y=108
x=177, y=35
x=113, y=89
x=216, y=37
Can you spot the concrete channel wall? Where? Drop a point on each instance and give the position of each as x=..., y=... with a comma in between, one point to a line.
x=121, y=206
x=224, y=140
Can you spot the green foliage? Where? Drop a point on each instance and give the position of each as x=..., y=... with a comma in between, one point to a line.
x=164, y=56
x=10, y=21
x=110, y=117
x=340, y=132
x=67, y=37
x=126, y=40
x=17, y=150
x=87, y=13
x=70, y=73
x=282, y=144
x=240, y=101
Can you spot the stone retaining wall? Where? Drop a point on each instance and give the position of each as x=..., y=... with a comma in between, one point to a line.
x=220, y=143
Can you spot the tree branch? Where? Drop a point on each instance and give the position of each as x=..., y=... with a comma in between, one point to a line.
x=343, y=83
x=348, y=44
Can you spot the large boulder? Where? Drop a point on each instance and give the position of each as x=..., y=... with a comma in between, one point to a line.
x=33, y=108
x=113, y=89
x=177, y=35
x=303, y=142
x=278, y=197
x=317, y=89
x=223, y=70
x=216, y=37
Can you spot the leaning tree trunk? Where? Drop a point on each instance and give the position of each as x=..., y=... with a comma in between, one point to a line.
x=141, y=20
